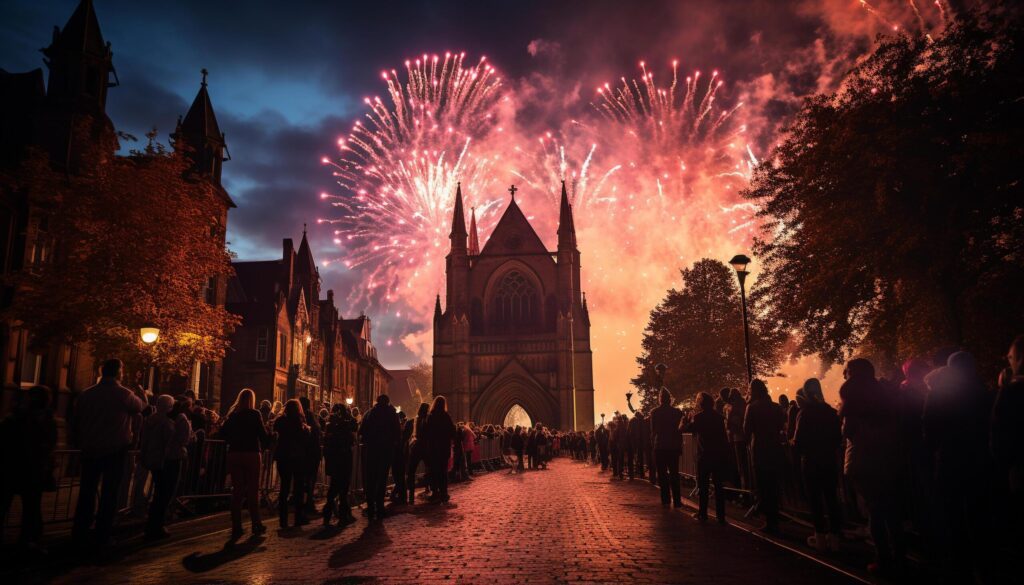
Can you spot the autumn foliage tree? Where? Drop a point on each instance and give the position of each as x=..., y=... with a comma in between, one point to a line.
x=697, y=331
x=136, y=240
x=895, y=208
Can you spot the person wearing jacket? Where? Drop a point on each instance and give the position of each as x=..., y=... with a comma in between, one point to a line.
x=639, y=432
x=27, y=439
x=314, y=454
x=441, y=435
x=293, y=436
x=380, y=432
x=102, y=427
x=164, y=442
x=708, y=428
x=339, y=441
x=414, y=432
x=399, y=461
x=764, y=423
x=817, y=436
x=870, y=421
x=245, y=433
x=668, y=445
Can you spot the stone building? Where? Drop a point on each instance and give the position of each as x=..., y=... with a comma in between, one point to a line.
x=49, y=116
x=515, y=331
x=291, y=343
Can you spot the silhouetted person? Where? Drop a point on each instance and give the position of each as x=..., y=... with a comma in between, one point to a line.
x=441, y=435
x=763, y=424
x=620, y=436
x=871, y=428
x=956, y=429
x=601, y=436
x=379, y=433
x=918, y=490
x=399, y=462
x=245, y=432
x=1008, y=438
x=639, y=443
x=668, y=445
x=27, y=438
x=713, y=454
x=339, y=442
x=315, y=454
x=102, y=429
x=734, y=412
x=165, y=437
x=417, y=447
x=293, y=437
x=816, y=438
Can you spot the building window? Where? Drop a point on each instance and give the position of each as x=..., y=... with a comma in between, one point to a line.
x=40, y=247
x=282, y=351
x=262, y=343
x=515, y=304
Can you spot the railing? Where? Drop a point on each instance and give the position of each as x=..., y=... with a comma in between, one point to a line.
x=203, y=476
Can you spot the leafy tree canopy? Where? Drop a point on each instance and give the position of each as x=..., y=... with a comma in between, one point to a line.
x=894, y=207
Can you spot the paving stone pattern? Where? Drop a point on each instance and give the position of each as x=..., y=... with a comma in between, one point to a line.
x=567, y=524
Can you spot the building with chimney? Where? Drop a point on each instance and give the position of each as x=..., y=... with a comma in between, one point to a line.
x=514, y=334
x=291, y=343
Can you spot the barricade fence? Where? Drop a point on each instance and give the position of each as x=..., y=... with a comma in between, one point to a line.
x=203, y=476
x=792, y=497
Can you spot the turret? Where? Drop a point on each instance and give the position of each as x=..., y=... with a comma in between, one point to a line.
x=80, y=63
x=199, y=135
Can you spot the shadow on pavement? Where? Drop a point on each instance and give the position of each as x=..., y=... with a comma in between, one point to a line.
x=373, y=539
x=201, y=563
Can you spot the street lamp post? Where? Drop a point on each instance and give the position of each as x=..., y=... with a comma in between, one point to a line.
x=149, y=334
x=739, y=262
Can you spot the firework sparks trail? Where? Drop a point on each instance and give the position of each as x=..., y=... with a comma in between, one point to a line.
x=398, y=172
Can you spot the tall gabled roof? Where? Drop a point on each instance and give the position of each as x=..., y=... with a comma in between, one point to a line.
x=513, y=235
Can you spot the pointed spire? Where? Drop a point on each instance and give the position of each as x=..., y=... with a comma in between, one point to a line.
x=474, y=240
x=200, y=123
x=305, y=255
x=82, y=32
x=566, y=228
x=437, y=308
x=458, y=235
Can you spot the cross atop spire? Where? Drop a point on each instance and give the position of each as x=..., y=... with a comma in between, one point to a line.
x=205, y=73
x=513, y=190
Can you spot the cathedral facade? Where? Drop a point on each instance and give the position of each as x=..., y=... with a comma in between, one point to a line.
x=515, y=331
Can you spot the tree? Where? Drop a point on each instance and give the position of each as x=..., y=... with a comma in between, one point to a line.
x=894, y=206
x=137, y=239
x=698, y=333
x=422, y=374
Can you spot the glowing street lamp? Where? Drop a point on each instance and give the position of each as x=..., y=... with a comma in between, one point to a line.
x=149, y=334
x=740, y=262
x=348, y=401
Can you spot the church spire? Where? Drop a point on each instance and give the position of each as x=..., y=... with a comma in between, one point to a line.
x=437, y=308
x=566, y=229
x=458, y=235
x=474, y=240
x=200, y=132
x=80, y=61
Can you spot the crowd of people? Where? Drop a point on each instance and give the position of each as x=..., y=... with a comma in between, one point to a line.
x=938, y=454
x=930, y=455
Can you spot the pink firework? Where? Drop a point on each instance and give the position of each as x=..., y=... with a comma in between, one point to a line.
x=398, y=172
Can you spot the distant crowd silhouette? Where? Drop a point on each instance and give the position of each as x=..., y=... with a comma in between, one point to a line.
x=938, y=455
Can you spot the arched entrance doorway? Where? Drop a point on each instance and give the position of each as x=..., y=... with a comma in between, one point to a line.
x=517, y=417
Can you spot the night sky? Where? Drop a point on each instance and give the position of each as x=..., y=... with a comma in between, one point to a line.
x=288, y=78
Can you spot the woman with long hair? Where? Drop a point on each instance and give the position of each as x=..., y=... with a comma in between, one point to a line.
x=441, y=435
x=246, y=436
x=292, y=446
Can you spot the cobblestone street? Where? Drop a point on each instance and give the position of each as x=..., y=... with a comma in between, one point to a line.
x=568, y=524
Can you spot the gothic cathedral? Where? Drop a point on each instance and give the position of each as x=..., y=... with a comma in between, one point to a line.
x=516, y=330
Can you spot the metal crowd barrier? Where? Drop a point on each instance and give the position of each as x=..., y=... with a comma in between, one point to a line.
x=203, y=476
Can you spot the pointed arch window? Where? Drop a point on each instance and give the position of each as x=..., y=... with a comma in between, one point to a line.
x=516, y=304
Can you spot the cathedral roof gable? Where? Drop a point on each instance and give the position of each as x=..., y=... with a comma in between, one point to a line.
x=513, y=235
x=513, y=368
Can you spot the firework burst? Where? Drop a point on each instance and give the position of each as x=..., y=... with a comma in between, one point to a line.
x=398, y=171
